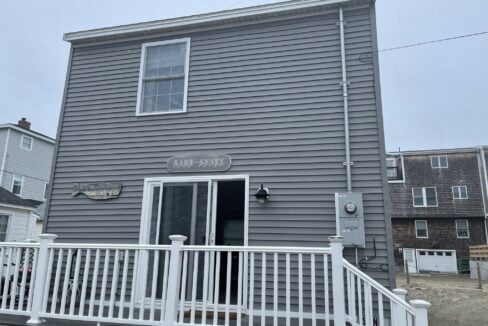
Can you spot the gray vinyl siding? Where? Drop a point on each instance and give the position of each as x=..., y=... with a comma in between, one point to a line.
x=266, y=94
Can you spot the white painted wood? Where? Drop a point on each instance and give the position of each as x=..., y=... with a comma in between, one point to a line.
x=7, y=278
x=275, y=289
x=33, y=282
x=101, y=305
x=338, y=280
x=67, y=272
x=93, y=288
x=381, y=315
x=183, y=287
x=57, y=280
x=326, y=290
x=194, y=287
x=165, y=283
x=25, y=266
x=16, y=270
x=421, y=308
x=251, y=289
x=134, y=285
x=154, y=284
x=287, y=289
x=263, y=288
x=113, y=286
x=74, y=287
x=300, y=289
x=205, y=287
x=239, y=290
x=313, y=294
x=84, y=283
x=217, y=288
x=39, y=269
x=227, y=287
x=173, y=280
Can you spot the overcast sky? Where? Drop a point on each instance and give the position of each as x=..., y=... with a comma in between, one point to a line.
x=434, y=96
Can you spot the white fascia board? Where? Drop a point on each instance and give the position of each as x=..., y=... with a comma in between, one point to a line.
x=28, y=132
x=2, y=205
x=213, y=17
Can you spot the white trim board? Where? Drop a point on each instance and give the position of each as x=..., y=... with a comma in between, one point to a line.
x=28, y=132
x=285, y=7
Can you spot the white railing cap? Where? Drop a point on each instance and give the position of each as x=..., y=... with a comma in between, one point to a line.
x=400, y=291
x=336, y=238
x=178, y=237
x=420, y=304
x=47, y=236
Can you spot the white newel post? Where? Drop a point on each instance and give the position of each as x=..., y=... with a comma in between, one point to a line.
x=399, y=313
x=338, y=280
x=421, y=312
x=39, y=277
x=171, y=303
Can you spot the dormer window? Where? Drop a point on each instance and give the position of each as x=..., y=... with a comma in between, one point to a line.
x=163, y=77
x=439, y=162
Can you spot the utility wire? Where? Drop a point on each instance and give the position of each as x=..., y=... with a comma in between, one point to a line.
x=433, y=41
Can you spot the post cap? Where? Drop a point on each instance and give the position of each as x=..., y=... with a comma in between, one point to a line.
x=420, y=304
x=336, y=239
x=47, y=236
x=178, y=237
x=401, y=292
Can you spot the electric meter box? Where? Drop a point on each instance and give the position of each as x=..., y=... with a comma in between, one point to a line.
x=350, y=218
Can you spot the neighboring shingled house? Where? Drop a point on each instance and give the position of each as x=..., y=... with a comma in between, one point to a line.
x=439, y=205
x=25, y=164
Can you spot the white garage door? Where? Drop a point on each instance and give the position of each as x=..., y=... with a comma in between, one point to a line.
x=443, y=261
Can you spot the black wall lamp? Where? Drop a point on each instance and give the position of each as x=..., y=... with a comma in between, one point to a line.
x=262, y=195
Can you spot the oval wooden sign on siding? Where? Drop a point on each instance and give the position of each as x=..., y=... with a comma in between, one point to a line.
x=199, y=163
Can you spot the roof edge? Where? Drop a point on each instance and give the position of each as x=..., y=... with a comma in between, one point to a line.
x=199, y=19
x=28, y=132
x=473, y=149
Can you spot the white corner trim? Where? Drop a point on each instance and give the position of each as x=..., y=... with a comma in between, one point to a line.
x=212, y=17
x=4, y=156
x=141, y=75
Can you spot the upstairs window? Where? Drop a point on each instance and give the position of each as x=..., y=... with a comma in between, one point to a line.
x=17, y=185
x=3, y=227
x=462, y=229
x=438, y=162
x=163, y=77
x=394, y=167
x=459, y=192
x=424, y=196
x=421, y=230
x=26, y=142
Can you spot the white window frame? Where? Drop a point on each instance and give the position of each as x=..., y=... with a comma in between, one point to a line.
x=402, y=180
x=141, y=75
x=14, y=178
x=459, y=198
x=424, y=196
x=457, y=229
x=438, y=158
x=426, y=229
x=22, y=142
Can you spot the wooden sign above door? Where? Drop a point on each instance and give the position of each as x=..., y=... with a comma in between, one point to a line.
x=199, y=163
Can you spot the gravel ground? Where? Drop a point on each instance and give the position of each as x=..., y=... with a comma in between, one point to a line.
x=455, y=299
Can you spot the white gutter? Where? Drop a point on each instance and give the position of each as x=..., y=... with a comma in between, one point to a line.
x=4, y=157
x=28, y=132
x=28, y=208
x=346, y=104
x=208, y=18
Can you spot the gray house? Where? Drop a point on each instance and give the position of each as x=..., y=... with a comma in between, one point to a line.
x=236, y=127
x=25, y=166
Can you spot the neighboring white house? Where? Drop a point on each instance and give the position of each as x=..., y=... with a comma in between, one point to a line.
x=25, y=167
x=18, y=220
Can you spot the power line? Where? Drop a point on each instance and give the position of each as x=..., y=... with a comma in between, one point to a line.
x=433, y=41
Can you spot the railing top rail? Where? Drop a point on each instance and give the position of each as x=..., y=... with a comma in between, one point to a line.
x=380, y=288
x=113, y=246
x=260, y=249
x=19, y=244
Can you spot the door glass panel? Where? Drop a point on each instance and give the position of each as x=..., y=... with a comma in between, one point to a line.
x=184, y=211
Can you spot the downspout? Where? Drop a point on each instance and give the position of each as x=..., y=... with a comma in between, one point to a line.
x=484, y=188
x=344, y=84
x=4, y=157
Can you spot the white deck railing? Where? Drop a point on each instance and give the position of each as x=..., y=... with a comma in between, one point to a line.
x=189, y=285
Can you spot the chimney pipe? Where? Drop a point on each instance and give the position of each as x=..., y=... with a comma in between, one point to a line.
x=23, y=123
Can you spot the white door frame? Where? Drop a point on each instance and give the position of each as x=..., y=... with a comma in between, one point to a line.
x=414, y=257
x=146, y=205
x=145, y=220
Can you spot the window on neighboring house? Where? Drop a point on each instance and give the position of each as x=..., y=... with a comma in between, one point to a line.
x=394, y=168
x=3, y=227
x=26, y=142
x=459, y=192
x=438, y=162
x=46, y=187
x=421, y=230
x=462, y=229
x=17, y=185
x=163, y=77
x=424, y=196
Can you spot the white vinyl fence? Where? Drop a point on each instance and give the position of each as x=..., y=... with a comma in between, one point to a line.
x=189, y=285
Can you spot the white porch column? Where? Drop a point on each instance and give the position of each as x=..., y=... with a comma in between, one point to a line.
x=421, y=312
x=399, y=313
x=39, y=277
x=171, y=302
x=339, y=302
